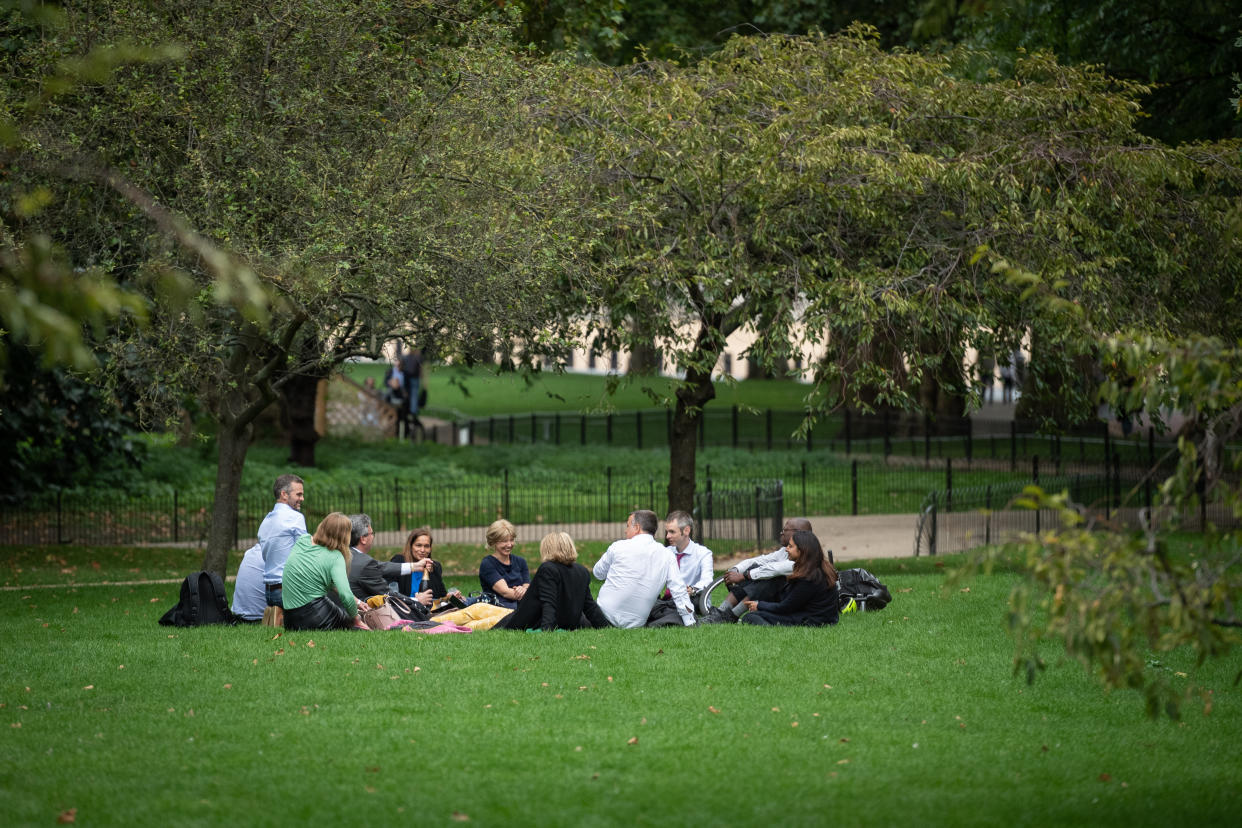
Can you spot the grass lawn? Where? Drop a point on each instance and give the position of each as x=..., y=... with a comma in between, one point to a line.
x=906, y=716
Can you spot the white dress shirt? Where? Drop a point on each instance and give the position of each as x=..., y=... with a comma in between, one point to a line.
x=634, y=571
x=277, y=533
x=248, y=598
x=770, y=565
x=695, y=565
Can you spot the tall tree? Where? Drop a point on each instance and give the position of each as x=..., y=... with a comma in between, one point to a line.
x=832, y=197
x=366, y=166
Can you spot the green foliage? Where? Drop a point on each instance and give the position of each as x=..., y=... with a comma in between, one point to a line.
x=1110, y=597
x=829, y=197
x=58, y=431
x=1183, y=51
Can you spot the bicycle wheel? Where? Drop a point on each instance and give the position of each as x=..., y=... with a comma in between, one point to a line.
x=711, y=596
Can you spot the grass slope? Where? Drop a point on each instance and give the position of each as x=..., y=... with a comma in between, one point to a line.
x=905, y=716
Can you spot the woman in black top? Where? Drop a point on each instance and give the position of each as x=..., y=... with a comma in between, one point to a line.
x=418, y=548
x=810, y=597
x=560, y=593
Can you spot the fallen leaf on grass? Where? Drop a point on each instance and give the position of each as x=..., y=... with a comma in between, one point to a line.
x=66, y=817
x=578, y=749
x=281, y=651
x=1106, y=777
x=776, y=710
x=845, y=738
x=610, y=678
x=152, y=601
x=310, y=643
x=843, y=761
x=711, y=709
x=965, y=589
x=89, y=687
x=633, y=740
x=369, y=789
x=582, y=657
x=793, y=724
x=458, y=816
x=907, y=589
x=16, y=724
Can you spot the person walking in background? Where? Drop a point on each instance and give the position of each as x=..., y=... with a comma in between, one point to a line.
x=279, y=531
x=560, y=593
x=412, y=376
x=634, y=571
x=504, y=576
x=809, y=598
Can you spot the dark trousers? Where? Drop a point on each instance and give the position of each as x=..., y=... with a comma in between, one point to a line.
x=321, y=614
x=767, y=589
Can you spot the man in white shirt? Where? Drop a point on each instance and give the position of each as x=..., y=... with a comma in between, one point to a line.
x=635, y=570
x=760, y=578
x=279, y=531
x=248, y=593
x=694, y=562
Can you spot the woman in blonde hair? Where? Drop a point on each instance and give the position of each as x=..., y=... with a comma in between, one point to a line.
x=316, y=580
x=560, y=594
x=503, y=574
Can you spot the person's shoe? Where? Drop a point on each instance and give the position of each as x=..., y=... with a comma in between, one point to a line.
x=718, y=615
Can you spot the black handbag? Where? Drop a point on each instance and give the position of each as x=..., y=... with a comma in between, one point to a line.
x=407, y=608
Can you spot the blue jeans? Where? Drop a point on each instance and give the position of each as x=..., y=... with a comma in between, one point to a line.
x=275, y=597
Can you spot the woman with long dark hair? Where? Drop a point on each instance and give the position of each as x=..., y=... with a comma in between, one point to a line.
x=417, y=549
x=317, y=595
x=810, y=597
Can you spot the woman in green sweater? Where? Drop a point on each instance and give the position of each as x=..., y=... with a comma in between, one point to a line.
x=316, y=580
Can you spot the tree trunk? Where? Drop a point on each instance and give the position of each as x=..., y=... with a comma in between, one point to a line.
x=232, y=442
x=298, y=396
x=683, y=442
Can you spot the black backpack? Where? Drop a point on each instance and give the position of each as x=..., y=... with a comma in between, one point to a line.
x=864, y=588
x=202, y=602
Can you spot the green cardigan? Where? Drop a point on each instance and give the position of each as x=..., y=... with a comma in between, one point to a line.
x=311, y=571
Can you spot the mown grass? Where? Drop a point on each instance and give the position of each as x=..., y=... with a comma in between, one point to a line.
x=905, y=716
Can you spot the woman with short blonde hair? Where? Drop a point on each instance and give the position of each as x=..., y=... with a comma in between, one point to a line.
x=560, y=595
x=558, y=547
x=317, y=595
x=504, y=576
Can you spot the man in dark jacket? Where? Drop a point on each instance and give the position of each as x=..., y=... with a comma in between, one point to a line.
x=368, y=576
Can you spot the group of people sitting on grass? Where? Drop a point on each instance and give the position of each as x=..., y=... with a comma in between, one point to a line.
x=329, y=579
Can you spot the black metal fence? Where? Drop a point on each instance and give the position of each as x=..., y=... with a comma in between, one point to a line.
x=955, y=520
x=735, y=509
x=846, y=432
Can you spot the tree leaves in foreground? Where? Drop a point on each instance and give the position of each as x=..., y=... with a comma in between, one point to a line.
x=1118, y=599
x=365, y=166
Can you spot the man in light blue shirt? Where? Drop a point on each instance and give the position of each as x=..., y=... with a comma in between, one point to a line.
x=279, y=531
x=248, y=593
